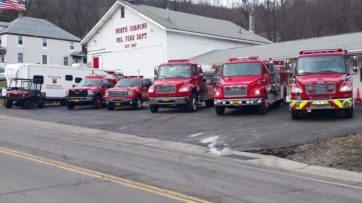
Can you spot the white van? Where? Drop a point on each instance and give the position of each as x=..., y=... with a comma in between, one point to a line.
x=57, y=79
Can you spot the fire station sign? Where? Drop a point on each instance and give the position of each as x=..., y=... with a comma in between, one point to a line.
x=130, y=36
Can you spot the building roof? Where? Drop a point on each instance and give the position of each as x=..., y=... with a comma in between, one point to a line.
x=185, y=22
x=36, y=27
x=288, y=49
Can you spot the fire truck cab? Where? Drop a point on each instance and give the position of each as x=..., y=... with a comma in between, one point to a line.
x=250, y=81
x=180, y=83
x=322, y=82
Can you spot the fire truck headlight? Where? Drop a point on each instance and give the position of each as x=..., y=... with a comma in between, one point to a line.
x=296, y=90
x=184, y=89
x=217, y=93
x=151, y=89
x=346, y=88
x=256, y=92
x=130, y=93
x=90, y=92
x=107, y=93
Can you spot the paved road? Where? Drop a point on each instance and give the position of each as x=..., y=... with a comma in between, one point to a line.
x=241, y=130
x=193, y=174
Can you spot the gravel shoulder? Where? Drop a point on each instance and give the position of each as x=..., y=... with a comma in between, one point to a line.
x=341, y=153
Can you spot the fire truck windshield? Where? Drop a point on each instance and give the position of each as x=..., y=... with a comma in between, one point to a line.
x=321, y=64
x=93, y=83
x=174, y=71
x=241, y=69
x=128, y=83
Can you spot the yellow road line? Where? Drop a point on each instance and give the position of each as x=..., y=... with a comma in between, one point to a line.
x=87, y=172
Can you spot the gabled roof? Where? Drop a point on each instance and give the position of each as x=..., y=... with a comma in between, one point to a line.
x=288, y=49
x=184, y=22
x=36, y=27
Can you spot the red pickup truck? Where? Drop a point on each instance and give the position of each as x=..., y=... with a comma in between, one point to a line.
x=130, y=91
x=90, y=91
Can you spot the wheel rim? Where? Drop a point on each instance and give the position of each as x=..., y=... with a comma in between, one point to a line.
x=139, y=104
x=194, y=103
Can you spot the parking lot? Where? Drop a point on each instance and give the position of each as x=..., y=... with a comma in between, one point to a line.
x=238, y=129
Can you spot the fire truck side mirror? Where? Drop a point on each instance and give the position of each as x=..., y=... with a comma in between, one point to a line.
x=155, y=71
x=355, y=64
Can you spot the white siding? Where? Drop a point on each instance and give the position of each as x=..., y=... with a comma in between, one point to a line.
x=33, y=50
x=187, y=46
x=147, y=53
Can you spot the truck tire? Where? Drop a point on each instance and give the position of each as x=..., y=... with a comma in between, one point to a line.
x=348, y=113
x=220, y=110
x=138, y=104
x=41, y=104
x=209, y=103
x=27, y=104
x=263, y=108
x=98, y=102
x=295, y=114
x=192, y=103
x=63, y=103
x=154, y=108
x=110, y=106
x=70, y=106
x=8, y=104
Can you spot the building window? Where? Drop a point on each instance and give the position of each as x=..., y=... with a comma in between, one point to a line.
x=71, y=45
x=45, y=43
x=20, y=40
x=44, y=59
x=2, y=58
x=69, y=77
x=66, y=63
x=84, y=60
x=122, y=12
x=20, y=58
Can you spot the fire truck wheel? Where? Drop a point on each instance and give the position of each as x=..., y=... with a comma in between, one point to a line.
x=295, y=114
x=41, y=104
x=192, y=103
x=209, y=103
x=138, y=104
x=263, y=108
x=27, y=104
x=154, y=108
x=349, y=113
x=8, y=104
x=98, y=103
x=110, y=106
x=70, y=106
x=220, y=110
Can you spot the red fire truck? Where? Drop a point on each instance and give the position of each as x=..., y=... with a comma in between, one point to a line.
x=129, y=91
x=322, y=81
x=250, y=82
x=90, y=91
x=180, y=83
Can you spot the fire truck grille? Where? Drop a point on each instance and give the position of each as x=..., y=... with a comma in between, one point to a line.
x=78, y=93
x=234, y=91
x=326, y=88
x=118, y=93
x=167, y=89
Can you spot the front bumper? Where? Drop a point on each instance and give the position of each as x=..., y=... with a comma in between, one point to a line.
x=238, y=102
x=121, y=102
x=344, y=103
x=80, y=100
x=169, y=101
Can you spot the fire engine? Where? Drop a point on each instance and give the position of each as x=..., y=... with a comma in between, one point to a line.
x=180, y=83
x=322, y=81
x=90, y=91
x=250, y=81
x=129, y=91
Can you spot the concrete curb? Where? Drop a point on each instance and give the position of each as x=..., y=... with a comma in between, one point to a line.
x=190, y=149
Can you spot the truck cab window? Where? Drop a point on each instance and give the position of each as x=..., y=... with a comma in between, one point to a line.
x=69, y=78
x=77, y=80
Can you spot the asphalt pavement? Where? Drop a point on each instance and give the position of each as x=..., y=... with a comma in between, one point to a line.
x=238, y=129
x=48, y=162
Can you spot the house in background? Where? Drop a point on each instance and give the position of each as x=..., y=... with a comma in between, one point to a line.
x=135, y=37
x=37, y=41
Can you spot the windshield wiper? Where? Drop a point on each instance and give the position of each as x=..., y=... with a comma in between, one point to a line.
x=328, y=71
x=306, y=73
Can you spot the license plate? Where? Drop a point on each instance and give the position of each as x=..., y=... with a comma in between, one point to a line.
x=165, y=99
x=118, y=104
x=76, y=100
x=235, y=101
x=320, y=102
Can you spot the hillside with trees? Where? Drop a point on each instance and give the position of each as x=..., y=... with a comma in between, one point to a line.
x=277, y=20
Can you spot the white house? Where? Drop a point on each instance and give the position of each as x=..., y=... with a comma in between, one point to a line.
x=37, y=41
x=135, y=37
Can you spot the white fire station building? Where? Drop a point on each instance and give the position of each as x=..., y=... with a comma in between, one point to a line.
x=134, y=37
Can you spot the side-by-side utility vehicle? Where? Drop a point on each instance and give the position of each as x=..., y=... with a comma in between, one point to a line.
x=130, y=91
x=250, y=82
x=25, y=93
x=180, y=83
x=322, y=81
x=90, y=91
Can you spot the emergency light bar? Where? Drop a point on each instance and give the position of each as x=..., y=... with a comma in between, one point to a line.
x=323, y=51
x=179, y=61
